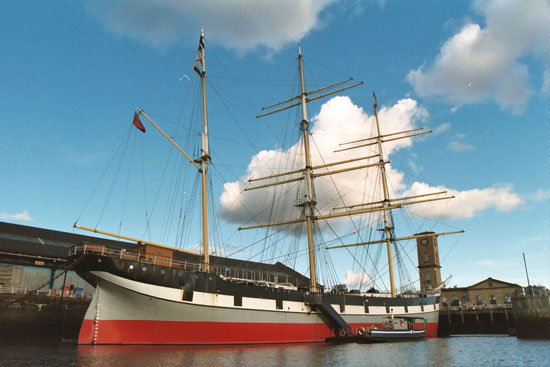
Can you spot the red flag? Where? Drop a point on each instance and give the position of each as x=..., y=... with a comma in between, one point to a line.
x=137, y=122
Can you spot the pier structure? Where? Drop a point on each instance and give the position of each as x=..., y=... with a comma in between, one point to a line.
x=482, y=308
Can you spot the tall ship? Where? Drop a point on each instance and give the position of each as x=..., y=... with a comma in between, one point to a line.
x=151, y=293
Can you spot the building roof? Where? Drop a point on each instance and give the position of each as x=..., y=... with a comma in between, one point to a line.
x=40, y=242
x=478, y=285
x=19, y=239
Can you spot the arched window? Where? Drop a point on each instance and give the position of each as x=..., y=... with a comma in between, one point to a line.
x=492, y=299
x=444, y=301
x=479, y=300
x=428, y=277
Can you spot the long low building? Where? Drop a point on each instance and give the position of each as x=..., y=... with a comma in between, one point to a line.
x=35, y=258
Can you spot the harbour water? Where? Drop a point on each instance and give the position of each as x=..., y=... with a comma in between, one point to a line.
x=485, y=350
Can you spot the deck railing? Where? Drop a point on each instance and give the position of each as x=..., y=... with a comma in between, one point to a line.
x=477, y=307
x=228, y=273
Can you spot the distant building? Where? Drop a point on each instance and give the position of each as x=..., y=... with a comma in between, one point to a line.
x=489, y=293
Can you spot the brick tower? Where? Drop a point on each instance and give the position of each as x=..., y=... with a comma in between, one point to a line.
x=428, y=261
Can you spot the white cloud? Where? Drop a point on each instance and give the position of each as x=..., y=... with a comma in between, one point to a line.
x=465, y=204
x=458, y=146
x=237, y=24
x=338, y=121
x=21, y=217
x=542, y=195
x=357, y=281
x=479, y=64
x=446, y=126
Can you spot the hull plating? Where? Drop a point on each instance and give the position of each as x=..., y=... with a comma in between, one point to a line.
x=128, y=312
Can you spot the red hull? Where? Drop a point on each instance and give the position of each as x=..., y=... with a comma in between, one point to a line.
x=173, y=332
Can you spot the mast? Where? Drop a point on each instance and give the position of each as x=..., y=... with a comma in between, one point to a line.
x=309, y=203
x=307, y=173
x=200, y=163
x=526, y=272
x=205, y=157
x=388, y=218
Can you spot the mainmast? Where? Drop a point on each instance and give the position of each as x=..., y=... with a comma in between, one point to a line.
x=388, y=217
x=309, y=203
x=307, y=172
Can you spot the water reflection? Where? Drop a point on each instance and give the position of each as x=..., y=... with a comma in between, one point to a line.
x=243, y=355
x=456, y=351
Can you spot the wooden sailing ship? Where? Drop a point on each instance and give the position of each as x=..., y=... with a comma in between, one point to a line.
x=155, y=294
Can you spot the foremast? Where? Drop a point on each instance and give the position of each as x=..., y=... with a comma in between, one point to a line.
x=387, y=203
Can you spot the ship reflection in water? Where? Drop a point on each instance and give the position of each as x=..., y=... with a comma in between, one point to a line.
x=488, y=350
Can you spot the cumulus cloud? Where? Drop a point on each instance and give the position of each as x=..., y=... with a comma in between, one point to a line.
x=446, y=126
x=465, y=204
x=340, y=121
x=21, y=217
x=237, y=24
x=488, y=63
x=357, y=281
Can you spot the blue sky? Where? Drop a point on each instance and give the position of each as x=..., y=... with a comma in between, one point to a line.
x=477, y=73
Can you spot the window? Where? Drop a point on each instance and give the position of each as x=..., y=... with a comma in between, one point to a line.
x=237, y=301
x=454, y=301
x=479, y=300
x=507, y=299
x=492, y=300
x=428, y=277
x=426, y=257
x=444, y=302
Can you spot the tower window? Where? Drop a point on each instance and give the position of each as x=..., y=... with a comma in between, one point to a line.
x=428, y=277
x=426, y=257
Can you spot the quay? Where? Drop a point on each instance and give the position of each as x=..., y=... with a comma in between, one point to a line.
x=487, y=319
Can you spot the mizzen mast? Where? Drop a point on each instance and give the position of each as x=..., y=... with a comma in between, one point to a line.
x=205, y=157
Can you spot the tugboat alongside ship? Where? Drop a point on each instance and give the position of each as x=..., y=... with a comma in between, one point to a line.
x=155, y=294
